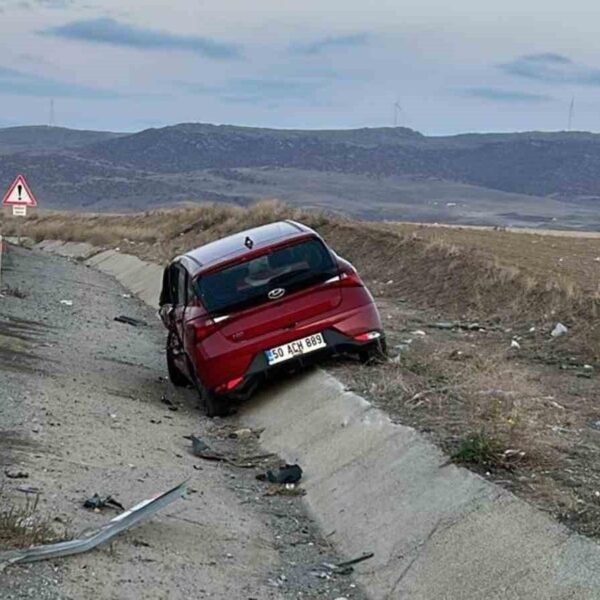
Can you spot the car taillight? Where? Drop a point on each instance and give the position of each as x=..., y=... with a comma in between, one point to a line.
x=350, y=279
x=231, y=384
x=204, y=328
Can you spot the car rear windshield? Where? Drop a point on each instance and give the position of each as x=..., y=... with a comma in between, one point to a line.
x=261, y=279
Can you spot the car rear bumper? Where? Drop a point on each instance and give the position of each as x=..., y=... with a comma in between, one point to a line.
x=337, y=343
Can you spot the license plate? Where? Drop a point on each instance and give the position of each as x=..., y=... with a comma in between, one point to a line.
x=295, y=348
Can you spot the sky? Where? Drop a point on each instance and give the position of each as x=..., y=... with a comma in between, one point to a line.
x=435, y=66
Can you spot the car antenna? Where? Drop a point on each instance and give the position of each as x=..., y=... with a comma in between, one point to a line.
x=248, y=243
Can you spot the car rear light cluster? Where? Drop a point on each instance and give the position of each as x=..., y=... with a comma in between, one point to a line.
x=204, y=328
x=230, y=385
x=366, y=337
x=346, y=279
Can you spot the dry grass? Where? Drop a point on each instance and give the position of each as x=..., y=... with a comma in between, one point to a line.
x=466, y=273
x=23, y=525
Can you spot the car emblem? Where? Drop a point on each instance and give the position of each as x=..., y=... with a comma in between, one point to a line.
x=276, y=293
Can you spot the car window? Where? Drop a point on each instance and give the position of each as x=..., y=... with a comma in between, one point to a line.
x=291, y=268
x=173, y=285
x=181, y=285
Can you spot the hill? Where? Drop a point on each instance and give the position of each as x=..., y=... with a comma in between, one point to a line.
x=531, y=178
x=48, y=139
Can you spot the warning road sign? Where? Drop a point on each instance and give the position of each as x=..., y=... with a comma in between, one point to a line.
x=19, y=194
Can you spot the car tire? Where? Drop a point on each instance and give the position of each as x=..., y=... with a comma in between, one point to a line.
x=213, y=405
x=375, y=352
x=178, y=379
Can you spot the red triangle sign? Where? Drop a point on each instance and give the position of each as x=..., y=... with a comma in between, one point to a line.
x=19, y=194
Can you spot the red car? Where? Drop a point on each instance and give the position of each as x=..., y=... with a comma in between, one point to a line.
x=260, y=301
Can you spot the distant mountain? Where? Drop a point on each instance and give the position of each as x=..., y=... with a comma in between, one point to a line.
x=48, y=139
x=393, y=173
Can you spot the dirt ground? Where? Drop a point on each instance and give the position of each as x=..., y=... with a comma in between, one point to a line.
x=565, y=256
x=535, y=406
x=85, y=408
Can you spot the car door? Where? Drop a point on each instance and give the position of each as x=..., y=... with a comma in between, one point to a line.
x=179, y=286
x=173, y=311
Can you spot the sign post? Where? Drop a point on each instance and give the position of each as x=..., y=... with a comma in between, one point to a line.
x=19, y=196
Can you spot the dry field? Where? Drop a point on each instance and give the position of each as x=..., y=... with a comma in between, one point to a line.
x=524, y=416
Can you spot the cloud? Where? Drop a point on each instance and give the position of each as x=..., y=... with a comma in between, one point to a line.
x=59, y=4
x=331, y=43
x=108, y=31
x=19, y=83
x=256, y=90
x=500, y=95
x=35, y=4
x=552, y=68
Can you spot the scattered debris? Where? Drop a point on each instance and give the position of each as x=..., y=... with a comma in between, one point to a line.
x=444, y=325
x=171, y=405
x=97, y=502
x=459, y=355
x=514, y=344
x=130, y=321
x=402, y=348
x=91, y=539
x=15, y=292
x=285, y=474
x=289, y=489
x=16, y=474
x=67, y=302
x=29, y=489
x=418, y=332
x=242, y=434
x=199, y=446
x=202, y=450
x=449, y=325
x=559, y=330
x=346, y=567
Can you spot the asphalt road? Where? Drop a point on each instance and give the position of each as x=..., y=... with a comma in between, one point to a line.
x=82, y=411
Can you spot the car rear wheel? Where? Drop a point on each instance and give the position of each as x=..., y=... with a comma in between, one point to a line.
x=177, y=378
x=214, y=406
x=375, y=352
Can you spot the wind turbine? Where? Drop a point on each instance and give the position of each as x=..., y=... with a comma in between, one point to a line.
x=397, y=111
x=571, y=109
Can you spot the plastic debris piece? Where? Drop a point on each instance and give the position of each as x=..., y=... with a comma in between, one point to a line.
x=559, y=330
x=130, y=321
x=98, y=502
x=285, y=474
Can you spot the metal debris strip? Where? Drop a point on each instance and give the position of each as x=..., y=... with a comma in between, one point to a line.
x=92, y=538
x=130, y=321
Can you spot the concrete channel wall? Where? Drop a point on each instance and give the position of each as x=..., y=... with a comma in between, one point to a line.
x=439, y=532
